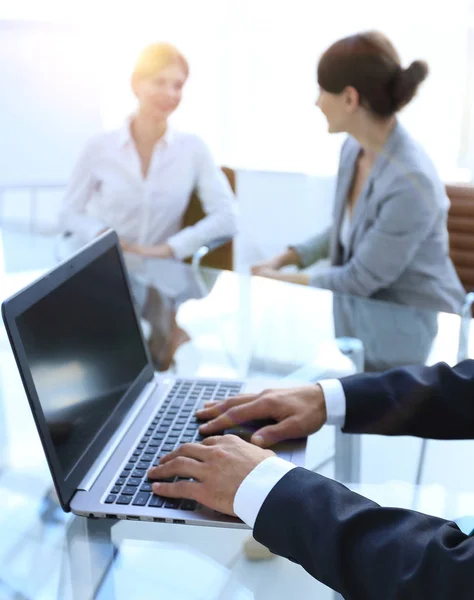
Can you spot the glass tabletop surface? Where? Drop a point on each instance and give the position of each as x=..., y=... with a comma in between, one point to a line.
x=201, y=323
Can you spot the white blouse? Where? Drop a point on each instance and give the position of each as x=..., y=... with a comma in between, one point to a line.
x=107, y=189
x=345, y=231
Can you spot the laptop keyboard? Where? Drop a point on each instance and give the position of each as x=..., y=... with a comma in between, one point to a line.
x=174, y=424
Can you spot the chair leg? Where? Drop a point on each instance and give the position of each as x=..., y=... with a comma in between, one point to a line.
x=421, y=462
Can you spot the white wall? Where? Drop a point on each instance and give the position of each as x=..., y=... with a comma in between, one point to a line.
x=49, y=104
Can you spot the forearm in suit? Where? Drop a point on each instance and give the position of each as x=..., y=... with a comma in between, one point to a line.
x=363, y=551
x=314, y=249
x=435, y=402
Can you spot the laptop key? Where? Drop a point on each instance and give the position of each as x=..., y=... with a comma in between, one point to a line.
x=128, y=467
x=120, y=481
x=116, y=489
x=146, y=487
x=189, y=505
x=156, y=501
x=110, y=499
x=141, y=499
x=124, y=474
x=138, y=474
x=124, y=500
x=134, y=482
x=128, y=491
x=173, y=503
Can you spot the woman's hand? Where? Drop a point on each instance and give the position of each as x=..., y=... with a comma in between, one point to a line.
x=160, y=251
x=289, y=257
x=272, y=265
x=301, y=278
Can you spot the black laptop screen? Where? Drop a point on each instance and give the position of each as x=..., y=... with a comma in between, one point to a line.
x=84, y=349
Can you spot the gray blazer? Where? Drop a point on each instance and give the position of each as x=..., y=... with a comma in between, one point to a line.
x=398, y=245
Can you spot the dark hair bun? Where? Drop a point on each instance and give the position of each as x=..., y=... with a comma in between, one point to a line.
x=407, y=81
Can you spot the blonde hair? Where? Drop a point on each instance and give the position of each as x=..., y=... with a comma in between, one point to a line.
x=156, y=57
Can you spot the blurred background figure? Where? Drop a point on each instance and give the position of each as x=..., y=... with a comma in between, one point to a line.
x=389, y=237
x=139, y=179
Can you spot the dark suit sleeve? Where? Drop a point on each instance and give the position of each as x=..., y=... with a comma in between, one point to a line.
x=435, y=402
x=363, y=551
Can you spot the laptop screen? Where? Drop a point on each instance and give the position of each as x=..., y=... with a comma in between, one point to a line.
x=84, y=349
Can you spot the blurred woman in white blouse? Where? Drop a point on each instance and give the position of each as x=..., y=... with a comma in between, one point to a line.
x=139, y=179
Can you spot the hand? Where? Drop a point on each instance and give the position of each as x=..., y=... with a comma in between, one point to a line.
x=217, y=467
x=103, y=230
x=268, y=272
x=300, y=278
x=127, y=247
x=160, y=251
x=289, y=257
x=299, y=411
x=273, y=264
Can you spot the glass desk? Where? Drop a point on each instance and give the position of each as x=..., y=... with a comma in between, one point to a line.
x=197, y=323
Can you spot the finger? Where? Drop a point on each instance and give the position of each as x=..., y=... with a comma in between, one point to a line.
x=236, y=415
x=212, y=410
x=178, y=489
x=178, y=467
x=195, y=451
x=213, y=440
x=272, y=434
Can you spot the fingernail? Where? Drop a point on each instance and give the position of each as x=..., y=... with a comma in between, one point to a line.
x=203, y=427
x=155, y=487
x=210, y=403
x=257, y=440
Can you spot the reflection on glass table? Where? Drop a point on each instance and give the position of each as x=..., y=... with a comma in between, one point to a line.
x=45, y=554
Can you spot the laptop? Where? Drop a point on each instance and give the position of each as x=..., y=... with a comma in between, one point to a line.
x=103, y=414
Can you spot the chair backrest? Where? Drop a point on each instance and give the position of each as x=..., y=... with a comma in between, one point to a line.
x=461, y=232
x=223, y=257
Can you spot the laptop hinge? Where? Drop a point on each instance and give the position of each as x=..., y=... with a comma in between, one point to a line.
x=99, y=464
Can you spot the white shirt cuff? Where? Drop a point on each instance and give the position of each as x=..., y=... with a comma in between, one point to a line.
x=335, y=401
x=255, y=488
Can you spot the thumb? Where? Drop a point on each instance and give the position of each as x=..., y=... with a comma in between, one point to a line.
x=272, y=434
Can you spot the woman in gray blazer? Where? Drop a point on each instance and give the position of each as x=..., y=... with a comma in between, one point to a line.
x=389, y=237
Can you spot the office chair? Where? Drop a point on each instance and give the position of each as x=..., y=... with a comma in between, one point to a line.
x=219, y=253
x=461, y=251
